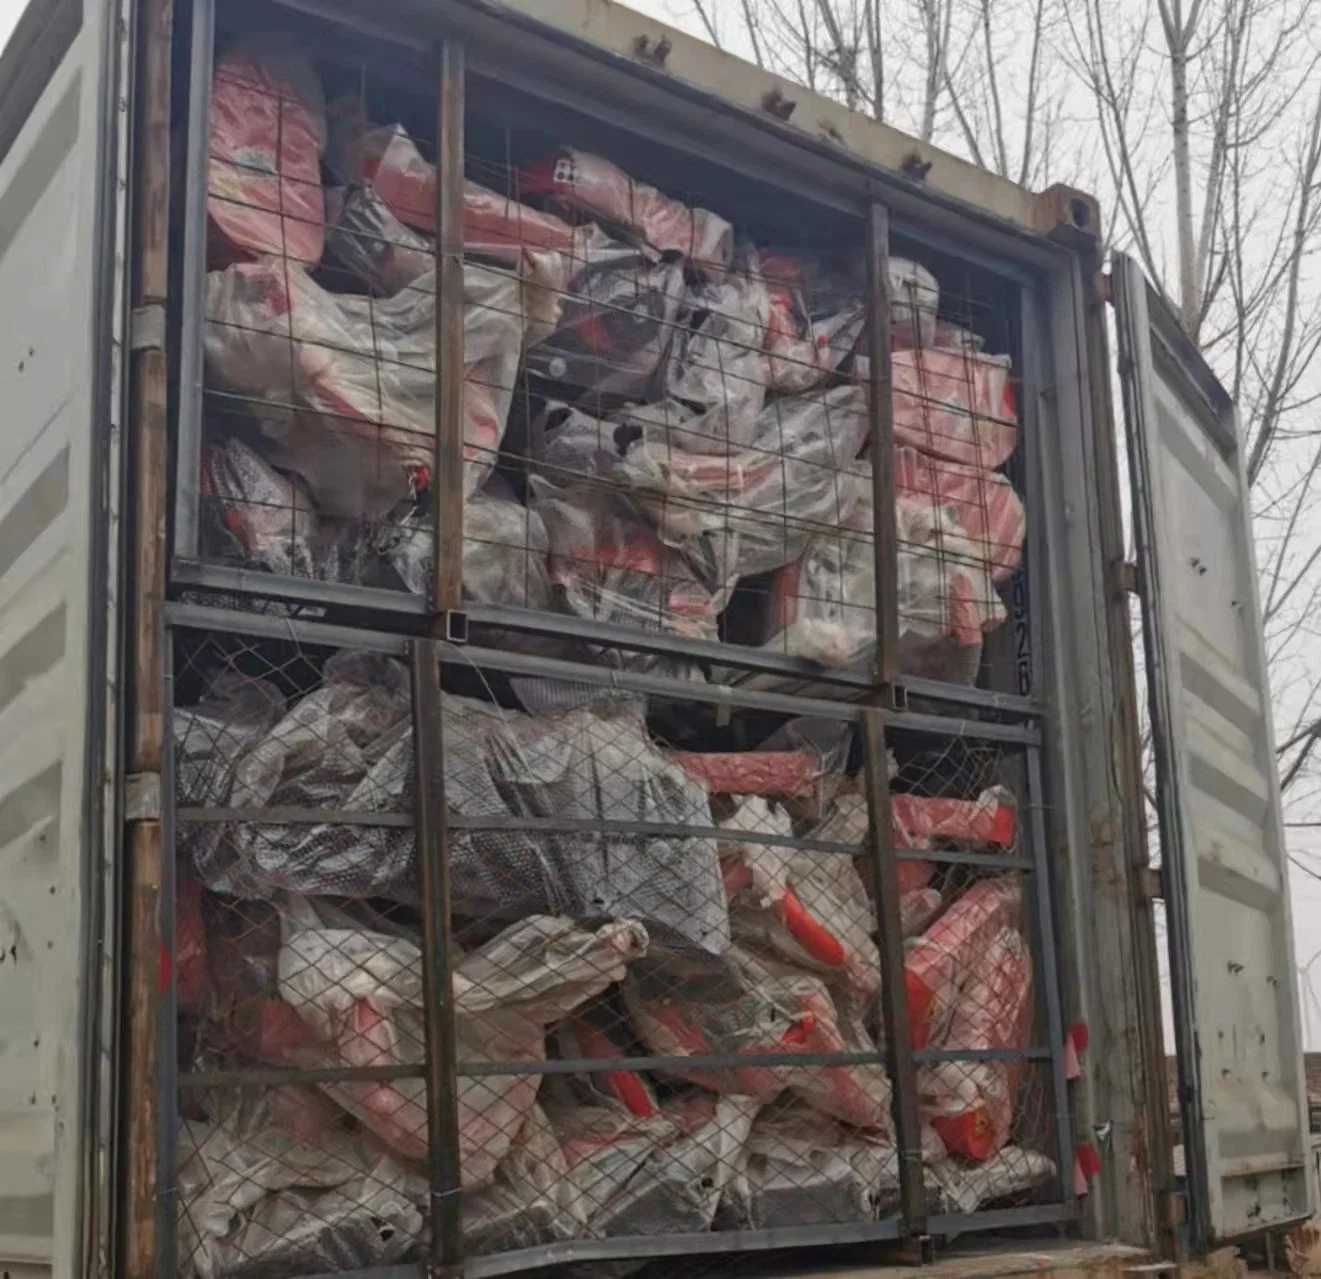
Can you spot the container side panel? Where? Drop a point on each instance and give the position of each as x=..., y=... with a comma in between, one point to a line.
x=47, y=203
x=1221, y=837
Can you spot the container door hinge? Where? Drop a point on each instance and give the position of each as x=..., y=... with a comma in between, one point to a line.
x=1152, y=880
x=142, y=797
x=147, y=328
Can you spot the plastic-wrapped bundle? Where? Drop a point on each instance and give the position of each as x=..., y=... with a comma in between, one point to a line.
x=659, y=1175
x=758, y=508
x=716, y=369
x=798, y=1169
x=593, y=1033
x=1006, y=1175
x=971, y=1103
x=528, y=1202
x=588, y=183
x=955, y=402
x=258, y=1196
x=616, y=326
x=371, y=242
x=190, y=949
x=386, y=158
x=917, y=908
x=366, y=368
x=611, y=567
x=360, y=995
x=959, y=531
x=750, y=1004
x=818, y=315
x=269, y=515
x=804, y=761
x=809, y=908
x=268, y=130
x=589, y=763
x=849, y=822
x=938, y=962
x=505, y=553
x=211, y=736
x=926, y=821
x=330, y=750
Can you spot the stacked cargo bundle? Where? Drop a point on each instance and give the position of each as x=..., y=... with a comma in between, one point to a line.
x=667, y=984
x=666, y=425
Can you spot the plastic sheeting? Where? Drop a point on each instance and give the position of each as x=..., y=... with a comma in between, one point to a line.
x=256, y=1194
x=365, y=368
x=971, y=1103
x=593, y=185
x=938, y=962
x=360, y=995
x=959, y=532
x=649, y=1176
x=809, y=908
x=268, y=130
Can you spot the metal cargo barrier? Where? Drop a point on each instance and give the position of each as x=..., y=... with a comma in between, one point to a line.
x=606, y=794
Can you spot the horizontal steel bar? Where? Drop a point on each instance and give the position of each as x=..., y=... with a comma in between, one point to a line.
x=975, y=698
x=733, y=1061
x=705, y=652
x=300, y=590
x=952, y=1224
x=651, y=830
x=290, y=816
x=645, y=1246
x=276, y=1077
x=928, y=1056
x=297, y=630
x=303, y=630
x=705, y=1061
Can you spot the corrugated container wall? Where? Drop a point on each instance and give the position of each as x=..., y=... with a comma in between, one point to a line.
x=609, y=732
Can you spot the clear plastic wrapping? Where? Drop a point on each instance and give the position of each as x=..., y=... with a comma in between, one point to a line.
x=590, y=184
x=269, y=516
x=360, y=996
x=971, y=1103
x=938, y=962
x=257, y=1196
x=268, y=129
x=663, y=1174
x=364, y=370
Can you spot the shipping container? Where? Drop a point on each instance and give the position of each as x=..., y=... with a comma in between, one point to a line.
x=567, y=690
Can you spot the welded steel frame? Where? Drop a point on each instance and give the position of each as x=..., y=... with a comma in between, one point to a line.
x=1016, y=258
x=441, y=1071
x=401, y=624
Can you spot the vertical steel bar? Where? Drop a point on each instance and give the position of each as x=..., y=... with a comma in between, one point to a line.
x=147, y=912
x=167, y=1262
x=1047, y=968
x=885, y=870
x=188, y=462
x=880, y=408
x=437, y=985
x=447, y=481
x=894, y=1002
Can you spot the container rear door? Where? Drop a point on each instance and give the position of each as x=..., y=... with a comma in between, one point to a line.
x=1237, y=1028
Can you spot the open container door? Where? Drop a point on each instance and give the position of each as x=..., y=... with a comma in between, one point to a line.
x=1236, y=1019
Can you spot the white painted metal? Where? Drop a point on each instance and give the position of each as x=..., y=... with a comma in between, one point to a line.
x=1231, y=934
x=50, y=382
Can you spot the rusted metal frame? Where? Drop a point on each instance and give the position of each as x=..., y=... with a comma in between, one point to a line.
x=885, y=869
x=447, y=478
x=440, y=1033
x=145, y=1207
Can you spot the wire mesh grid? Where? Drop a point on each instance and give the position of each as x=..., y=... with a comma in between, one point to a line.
x=667, y=992
x=666, y=422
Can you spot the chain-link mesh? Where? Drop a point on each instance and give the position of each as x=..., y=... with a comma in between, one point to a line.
x=667, y=988
x=665, y=414
x=664, y=938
